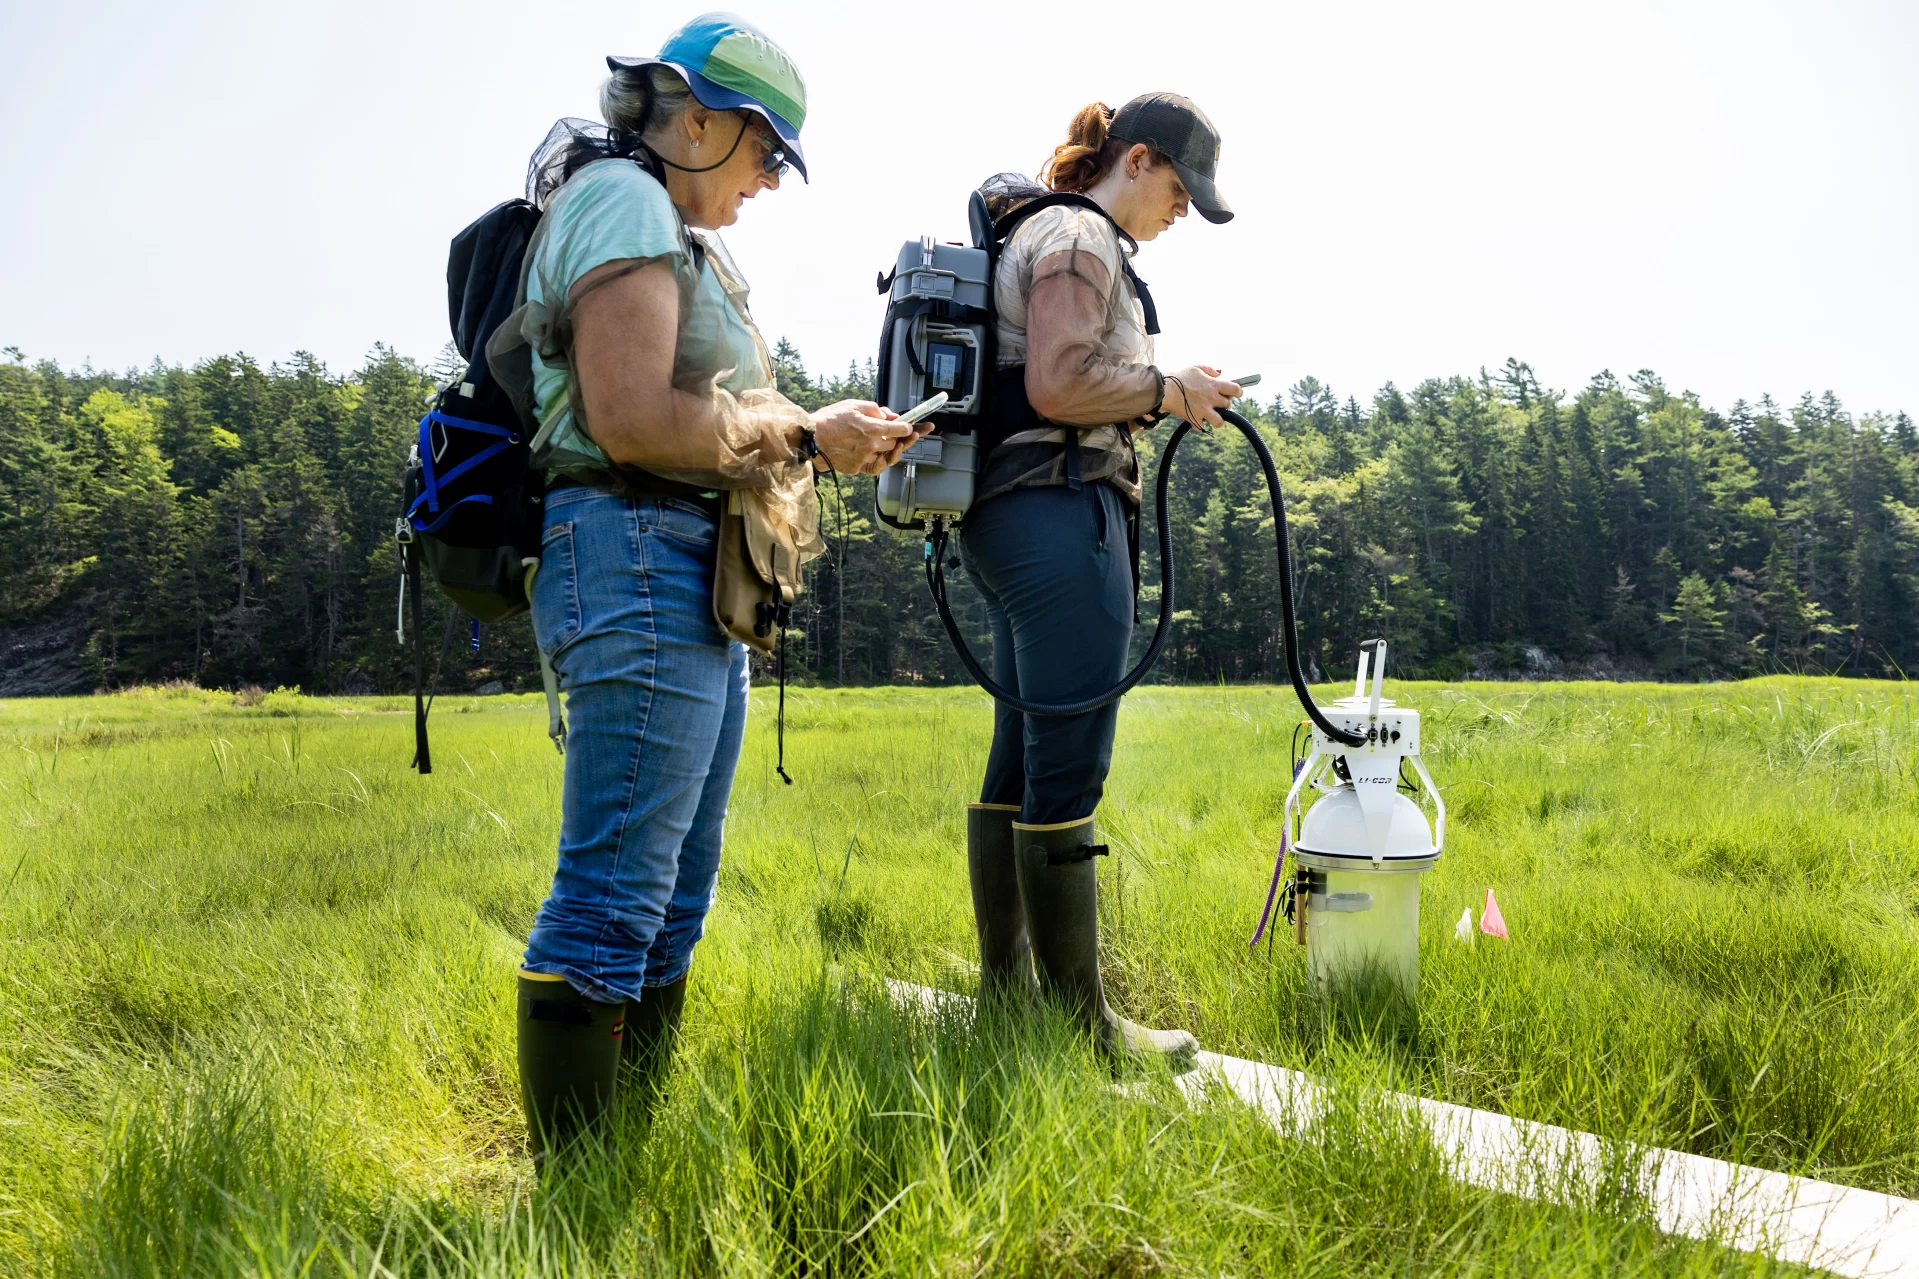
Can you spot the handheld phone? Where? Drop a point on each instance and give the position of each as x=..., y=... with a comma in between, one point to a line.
x=1251, y=379
x=924, y=409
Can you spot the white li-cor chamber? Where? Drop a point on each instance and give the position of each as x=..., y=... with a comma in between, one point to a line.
x=1363, y=844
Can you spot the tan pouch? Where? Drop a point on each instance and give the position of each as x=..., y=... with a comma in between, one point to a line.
x=757, y=572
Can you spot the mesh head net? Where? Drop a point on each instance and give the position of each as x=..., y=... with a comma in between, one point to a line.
x=569, y=146
x=1005, y=192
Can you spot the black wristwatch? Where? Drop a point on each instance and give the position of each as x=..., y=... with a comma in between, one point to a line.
x=809, y=444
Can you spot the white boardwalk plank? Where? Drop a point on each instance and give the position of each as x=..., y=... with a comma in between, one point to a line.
x=1853, y=1232
x=1840, y=1228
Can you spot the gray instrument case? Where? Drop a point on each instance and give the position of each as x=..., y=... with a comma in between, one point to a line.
x=937, y=340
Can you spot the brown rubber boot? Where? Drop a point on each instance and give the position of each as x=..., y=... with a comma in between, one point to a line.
x=1059, y=886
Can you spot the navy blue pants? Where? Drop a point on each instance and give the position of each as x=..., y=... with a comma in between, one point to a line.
x=1056, y=570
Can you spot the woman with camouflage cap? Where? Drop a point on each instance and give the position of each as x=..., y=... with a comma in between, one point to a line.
x=1051, y=541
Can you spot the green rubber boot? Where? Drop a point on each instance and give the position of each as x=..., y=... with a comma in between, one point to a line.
x=569, y=1060
x=1005, y=949
x=652, y=1033
x=1059, y=885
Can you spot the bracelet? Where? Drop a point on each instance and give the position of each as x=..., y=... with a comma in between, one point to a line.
x=1187, y=402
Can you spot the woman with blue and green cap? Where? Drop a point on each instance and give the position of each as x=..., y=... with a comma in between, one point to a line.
x=656, y=404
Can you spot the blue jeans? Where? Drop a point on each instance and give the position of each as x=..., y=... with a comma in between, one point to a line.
x=656, y=709
x=1056, y=570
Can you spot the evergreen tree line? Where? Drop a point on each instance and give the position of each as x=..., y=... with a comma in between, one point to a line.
x=233, y=525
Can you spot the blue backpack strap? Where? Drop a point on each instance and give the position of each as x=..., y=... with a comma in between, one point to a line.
x=468, y=424
x=432, y=480
x=433, y=526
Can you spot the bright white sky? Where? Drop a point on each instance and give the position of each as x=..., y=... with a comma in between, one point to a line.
x=1727, y=193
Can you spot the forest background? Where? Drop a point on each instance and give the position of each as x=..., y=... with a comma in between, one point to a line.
x=232, y=525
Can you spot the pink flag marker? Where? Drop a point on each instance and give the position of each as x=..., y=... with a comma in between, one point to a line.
x=1491, y=922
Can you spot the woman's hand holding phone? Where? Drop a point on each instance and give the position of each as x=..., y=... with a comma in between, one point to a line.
x=1197, y=394
x=859, y=437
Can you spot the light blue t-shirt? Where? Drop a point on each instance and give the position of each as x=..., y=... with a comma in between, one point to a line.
x=614, y=210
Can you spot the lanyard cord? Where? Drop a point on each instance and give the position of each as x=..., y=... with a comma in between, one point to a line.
x=780, y=730
x=709, y=168
x=779, y=765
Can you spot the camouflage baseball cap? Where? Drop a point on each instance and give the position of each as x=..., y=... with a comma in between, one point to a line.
x=1180, y=131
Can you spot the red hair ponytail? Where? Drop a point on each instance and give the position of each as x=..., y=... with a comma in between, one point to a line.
x=1087, y=153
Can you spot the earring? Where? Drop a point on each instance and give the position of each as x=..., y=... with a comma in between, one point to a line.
x=696, y=144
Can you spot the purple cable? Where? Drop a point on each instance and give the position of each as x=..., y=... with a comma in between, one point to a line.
x=1272, y=890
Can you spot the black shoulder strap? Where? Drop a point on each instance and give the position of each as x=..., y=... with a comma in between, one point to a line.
x=649, y=159
x=410, y=569
x=1009, y=222
x=1147, y=309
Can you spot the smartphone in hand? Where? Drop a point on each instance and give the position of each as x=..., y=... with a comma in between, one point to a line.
x=924, y=409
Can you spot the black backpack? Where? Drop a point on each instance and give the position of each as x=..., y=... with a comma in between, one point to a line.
x=472, y=503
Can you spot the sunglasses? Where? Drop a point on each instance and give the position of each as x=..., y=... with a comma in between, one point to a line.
x=775, y=162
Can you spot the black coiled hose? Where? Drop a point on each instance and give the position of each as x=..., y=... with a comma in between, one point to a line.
x=935, y=560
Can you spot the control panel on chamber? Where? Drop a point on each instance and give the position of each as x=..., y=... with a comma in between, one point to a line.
x=1395, y=730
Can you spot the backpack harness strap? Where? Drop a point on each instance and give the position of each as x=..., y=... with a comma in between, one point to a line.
x=1009, y=222
x=410, y=575
x=1012, y=411
x=431, y=481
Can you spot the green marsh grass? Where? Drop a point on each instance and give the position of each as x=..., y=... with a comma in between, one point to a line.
x=256, y=1016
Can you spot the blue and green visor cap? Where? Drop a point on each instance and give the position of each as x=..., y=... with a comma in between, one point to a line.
x=729, y=63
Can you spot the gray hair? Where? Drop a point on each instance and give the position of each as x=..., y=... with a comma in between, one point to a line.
x=636, y=101
x=643, y=100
